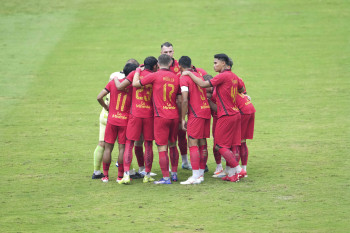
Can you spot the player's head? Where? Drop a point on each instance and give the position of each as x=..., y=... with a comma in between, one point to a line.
x=164, y=61
x=167, y=48
x=185, y=63
x=134, y=61
x=230, y=63
x=151, y=63
x=128, y=68
x=221, y=62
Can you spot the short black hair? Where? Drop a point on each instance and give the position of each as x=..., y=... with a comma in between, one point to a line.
x=164, y=60
x=128, y=68
x=230, y=62
x=166, y=44
x=134, y=61
x=185, y=62
x=222, y=57
x=150, y=62
x=207, y=77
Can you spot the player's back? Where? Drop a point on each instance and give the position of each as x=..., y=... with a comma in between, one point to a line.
x=227, y=85
x=165, y=89
x=198, y=105
x=119, y=106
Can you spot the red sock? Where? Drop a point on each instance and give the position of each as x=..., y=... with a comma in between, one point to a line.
x=217, y=156
x=148, y=156
x=235, y=150
x=194, y=157
x=174, y=158
x=203, y=155
x=139, y=156
x=164, y=163
x=106, y=168
x=229, y=157
x=127, y=158
x=182, y=141
x=120, y=170
x=244, y=153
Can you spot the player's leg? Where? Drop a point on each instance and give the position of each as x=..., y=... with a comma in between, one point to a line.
x=173, y=152
x=226, y=129
x=98, y=154
x=147, y=129
x=248, y=134
x=195, y=161
x=161, y=135
x=182, y=144
x=203, y=155
x=216, y=153
x=107, y=160
x=203, y=129
x=139, y=154
x=110, y=138
x=122, y=152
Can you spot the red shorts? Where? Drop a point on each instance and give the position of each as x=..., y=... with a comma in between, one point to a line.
x=247, y=126
x=113, y=132
x=137, y=125
x=165, y=130
x=198, y=128
x=228, y=131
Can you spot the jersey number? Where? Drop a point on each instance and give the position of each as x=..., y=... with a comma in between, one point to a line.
x=233, y=94
x=202, y=93
x=147, y=95
x=170, y=92
x=123, y=102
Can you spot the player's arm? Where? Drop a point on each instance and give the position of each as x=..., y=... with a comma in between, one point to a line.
x=100, y=96
x=212, y=105
x=136, y=79
x=184, y=107
x=121, y=85
x=197, y=80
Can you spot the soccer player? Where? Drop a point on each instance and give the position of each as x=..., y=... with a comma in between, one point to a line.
x=195, y=103
x=98, y=153
x=211, y=95
x=118, y=114
x=140, y=120
x=228, y=126
x=167, y=48
x=166, y=115
x=247, y=111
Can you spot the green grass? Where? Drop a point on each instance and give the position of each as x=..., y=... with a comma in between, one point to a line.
x=57, y=56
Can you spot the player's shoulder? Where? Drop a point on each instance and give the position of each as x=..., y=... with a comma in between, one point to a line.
x=119, y=75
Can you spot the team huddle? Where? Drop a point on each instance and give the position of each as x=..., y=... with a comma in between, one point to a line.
x=164, y=99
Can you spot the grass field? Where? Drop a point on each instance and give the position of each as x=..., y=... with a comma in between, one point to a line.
x=56, y=56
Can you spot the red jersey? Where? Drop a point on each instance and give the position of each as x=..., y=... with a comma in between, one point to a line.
x=198, y=105
x=201, y=71
x=119, y=105
x=227, y=85
x=175, y=67
x=165, y=89
x=213, y=99
x=243, y=103
x=141, y=104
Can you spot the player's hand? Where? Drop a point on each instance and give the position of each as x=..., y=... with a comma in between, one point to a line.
x=248, y=97
x=186, y=72
x=184, y=125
